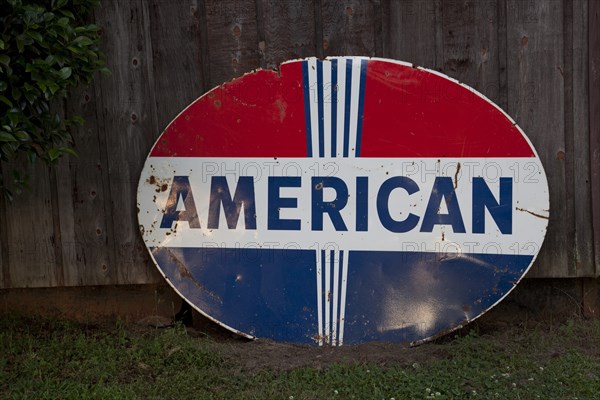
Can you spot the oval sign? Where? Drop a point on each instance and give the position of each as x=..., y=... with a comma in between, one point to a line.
x=342, y=201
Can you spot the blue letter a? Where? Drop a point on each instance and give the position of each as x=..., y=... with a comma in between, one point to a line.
x=180, y=189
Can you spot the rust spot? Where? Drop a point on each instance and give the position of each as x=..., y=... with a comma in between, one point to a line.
x=531, y=212
x=281, y=110
x=560, y=155
x=217, y=103
x=524, y=41
x=456, y=175
x=237, y=31
x=104, y=267
x=134, y=62
x=134, y=117
x=164, y=187
x=185, y=273
x=443, y=236
x=319, y=186
x=98, y=231
x=349, y=11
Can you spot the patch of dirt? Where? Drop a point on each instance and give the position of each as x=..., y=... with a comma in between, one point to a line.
x=261, y=354
x=504, y=330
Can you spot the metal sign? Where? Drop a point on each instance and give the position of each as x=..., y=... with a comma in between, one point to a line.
x=341, y=201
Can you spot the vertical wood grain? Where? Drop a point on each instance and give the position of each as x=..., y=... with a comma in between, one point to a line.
x=176, y=56
x=232, y=39
x=412, y=32
x=80, y=201
x=29, y=230
x=594, y=119
x=288, y=31
x=348, y=28
x=128, y=126
x=536, y=102
x=581, y=187
x=4, y=266
x=470, y=44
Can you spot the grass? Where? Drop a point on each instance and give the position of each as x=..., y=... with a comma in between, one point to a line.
x=50, y=359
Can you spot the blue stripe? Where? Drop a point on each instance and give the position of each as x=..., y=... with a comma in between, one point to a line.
x=361, y=105
x=334, y=100
x=320, y=99
x=307, y=107
x=348, y=95
x=330, y=288
x=322, y=283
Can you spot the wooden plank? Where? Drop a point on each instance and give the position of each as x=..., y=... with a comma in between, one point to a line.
x=536, y=102
x=502, y=99
x=232, y=39
x=566, y=71
x=581, y=191
x=29, y=230
x=81, y=201
x=348, y=28
x=470, y=44
x=594, y=118
x=177, y=56
x=128, y=126
x=5, y=281
x=289, y=31
x=414, y=19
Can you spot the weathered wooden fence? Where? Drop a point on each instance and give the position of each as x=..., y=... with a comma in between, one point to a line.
x=537, y=59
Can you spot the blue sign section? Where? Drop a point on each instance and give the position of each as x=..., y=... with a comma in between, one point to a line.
x=260, y=292
x=391, y=296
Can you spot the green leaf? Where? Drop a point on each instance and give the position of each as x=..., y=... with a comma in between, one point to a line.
x=22, y=136
x=2, y=44
x=65, y=73
x=4, y=59
x=68, y=150
x=35, y=36
x=6, y=101
x=54, y=154
x=77, y=119
x=82, y=41
x=7, y=137
x=20, y=44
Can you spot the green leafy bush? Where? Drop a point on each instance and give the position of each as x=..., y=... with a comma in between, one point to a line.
x=46, y=48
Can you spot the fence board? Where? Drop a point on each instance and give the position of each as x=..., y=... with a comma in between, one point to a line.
x=289, y=31
x=580, y=189
x=177, y=56
x=535, y=96
x=348, y=28
x=29, y=230
x=232, y=39
x=470, y=44
x=412, y=32
x=81, y=201
x=128, y=125
x=4, y=266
